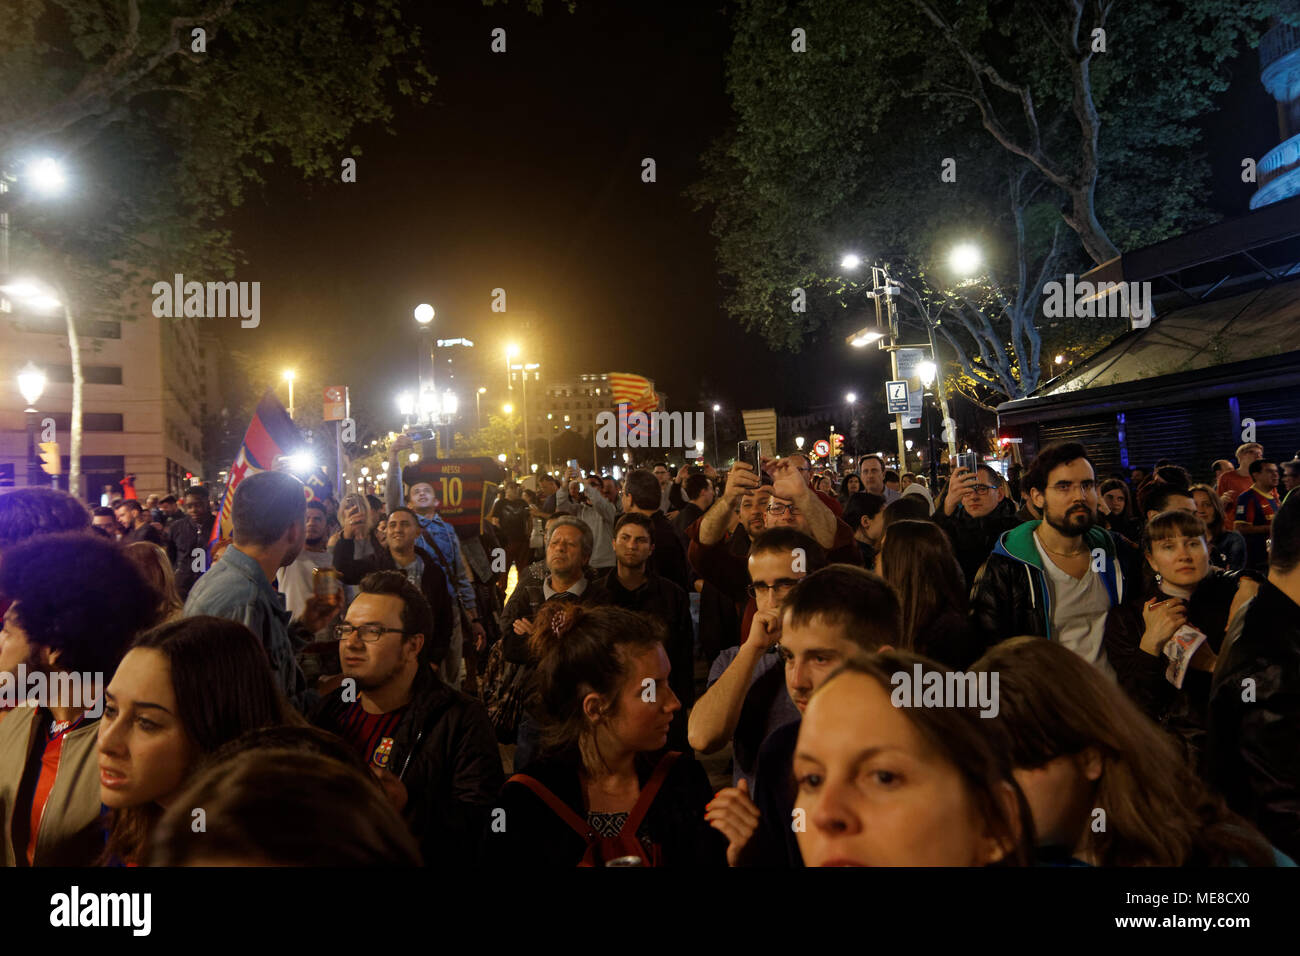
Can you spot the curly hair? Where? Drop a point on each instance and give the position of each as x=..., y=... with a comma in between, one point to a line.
x=28, y=512
x=77, y=594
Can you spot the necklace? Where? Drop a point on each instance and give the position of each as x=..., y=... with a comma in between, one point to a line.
x=1063, y=554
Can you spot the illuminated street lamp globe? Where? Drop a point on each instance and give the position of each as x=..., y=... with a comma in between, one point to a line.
x=501, y=458
x=31, y=383
x=850, y=261
x=964, y=259
x=424, y=313
x=798, y=443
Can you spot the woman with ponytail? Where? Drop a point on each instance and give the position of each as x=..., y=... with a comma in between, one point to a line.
x=603, y=791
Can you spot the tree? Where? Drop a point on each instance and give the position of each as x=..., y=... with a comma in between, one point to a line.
x=500, y=434
x=892, y=132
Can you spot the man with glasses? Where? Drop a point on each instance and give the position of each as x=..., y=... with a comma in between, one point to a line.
x=974, y=515
x=430, y=746
x=746, y=697
x=1058, y=577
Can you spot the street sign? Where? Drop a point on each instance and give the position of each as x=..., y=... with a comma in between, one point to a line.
x=821, y=448
x=896, y=397
x=336, y=403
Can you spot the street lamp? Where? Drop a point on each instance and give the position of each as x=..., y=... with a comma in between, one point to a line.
x=288, y=377
x=406, y=405
x=47, y=176
x=716, y=408
x=511, y=352
x=478, y=419
x=424, y=313
x=850, y=261
x=798, y=443
x=864, y=337
x=927, y=370
x=965, y=259
x=852, y=399
x=31, y=383
x=550, y=430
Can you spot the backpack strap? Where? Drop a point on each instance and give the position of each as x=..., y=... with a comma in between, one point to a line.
x=560, y=808
x=648, y=793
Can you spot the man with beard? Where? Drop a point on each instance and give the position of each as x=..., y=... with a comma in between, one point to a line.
x=430, y=746
x=295, y=580
x=1057, y=577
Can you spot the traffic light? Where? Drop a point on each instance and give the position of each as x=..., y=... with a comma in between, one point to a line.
x=837, y=443
x=51, y=463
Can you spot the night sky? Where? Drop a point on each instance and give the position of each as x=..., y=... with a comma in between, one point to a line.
x=524, y=173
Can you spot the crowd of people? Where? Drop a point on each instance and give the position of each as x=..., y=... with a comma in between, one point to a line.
x=1045, y=666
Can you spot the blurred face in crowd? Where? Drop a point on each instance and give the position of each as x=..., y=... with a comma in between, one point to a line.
x=1069, y=503
x=631, y=721
x=771, y=578
x=609, y=488
x=381, y=529
x=125, y=517
x=513, y=492
x=169, y=507
x=373, y=664
x=1250, y=454
x=1137, y=476
x=873, y=476
x=1267, y=477
x=811, y=651
x=109, y=524
x=1061, y=798
x=401, y=532
x=753, y=510
x=145, y=753
x=196, y=506
x=1291, y=475
x=984, y=496
x=548, y=486
x=1204, y=510
x=854, y=484
x=1116, y=500
x=314, y=528
x=564, y=551
x=421, y=496
x=1182, y=561
x=874, y=792
x=633, y=546
x=662, y=474
x=782, y=513
x=1176, y=503
x=706, y=498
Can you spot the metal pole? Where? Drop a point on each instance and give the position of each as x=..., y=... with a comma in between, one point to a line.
x=33, y=467
x=717, y=462
x=525, y=376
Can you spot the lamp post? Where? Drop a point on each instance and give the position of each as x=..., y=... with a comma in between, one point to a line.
x=31, y=383
x=511, y=351
x=852, y=399
x=927, y=371
x=550, y=429
x=798, y=443
x=424, y=319
x=478, y=417
x=716, y=408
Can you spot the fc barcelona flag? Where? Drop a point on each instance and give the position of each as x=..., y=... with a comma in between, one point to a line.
x=270, y=435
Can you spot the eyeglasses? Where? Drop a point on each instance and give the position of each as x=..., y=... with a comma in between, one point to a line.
x=777, y=509
x=981, y=489
x=781, y=585
x=369, y=632
x=1065, y=487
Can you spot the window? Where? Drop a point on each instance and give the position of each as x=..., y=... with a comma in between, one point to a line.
x=90, y=421
x=90, y=374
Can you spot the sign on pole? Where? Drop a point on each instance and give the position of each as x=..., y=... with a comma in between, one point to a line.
x=896, y=397
x=821, y=448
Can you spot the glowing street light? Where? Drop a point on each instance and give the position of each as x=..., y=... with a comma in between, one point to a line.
x=414, y=457
x=864, y=337
x=927, y=370
x=288, y=377
x=851, y=398
x=424, y=313
x=47, y=176
x=1060, y=359
x=850, y=261
x=502, y=458
x=798, y=443
x=508, y=408
x=965, y=259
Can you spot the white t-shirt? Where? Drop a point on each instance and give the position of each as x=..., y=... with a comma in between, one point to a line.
x=295, y=581
x=1079, y=609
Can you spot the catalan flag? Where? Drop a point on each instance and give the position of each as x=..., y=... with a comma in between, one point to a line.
x=271, y=434
x=635, y=391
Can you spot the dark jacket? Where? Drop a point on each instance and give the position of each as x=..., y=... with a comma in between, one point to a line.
x=446, y=754
x=433, y=584
x=774, y=843
x=1011, y=597
x=973, y=539
x=183, y=536
x=535, y=836
x=1182, y=713
x=1254, y=744
x=525, y=600
x=669, y=557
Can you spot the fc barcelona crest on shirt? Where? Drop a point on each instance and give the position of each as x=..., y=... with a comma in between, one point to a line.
x=382, y=753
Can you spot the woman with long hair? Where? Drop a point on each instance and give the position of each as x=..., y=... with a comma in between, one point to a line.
x=153, y=565
x=1119, y=519
x=604, y=787
x=917, y=559
x=1106, y=786
x=183, y=689
x=1179, y=588
x=886, y=784
x=1227, y=548
x=864, y=512
x=850, y=485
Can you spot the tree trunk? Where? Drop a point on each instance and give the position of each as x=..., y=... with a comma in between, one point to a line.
x=74, y=450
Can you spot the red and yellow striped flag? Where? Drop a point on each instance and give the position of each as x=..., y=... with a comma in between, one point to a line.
x=636, y=391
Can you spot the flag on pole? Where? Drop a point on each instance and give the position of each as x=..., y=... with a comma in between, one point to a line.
x=270, y=435
x=636, y=391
